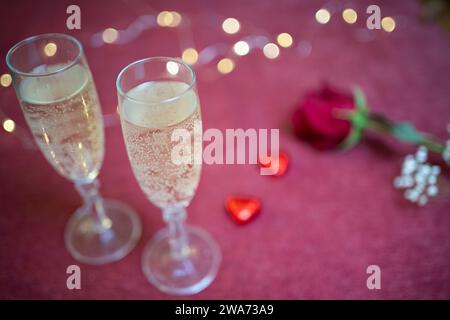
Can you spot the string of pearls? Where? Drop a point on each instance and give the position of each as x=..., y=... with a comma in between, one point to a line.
x=419, y=178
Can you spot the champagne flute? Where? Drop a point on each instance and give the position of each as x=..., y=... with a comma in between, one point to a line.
x=158, y=96
x=59, y=100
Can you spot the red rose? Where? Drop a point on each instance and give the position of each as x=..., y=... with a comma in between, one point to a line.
x=315, y=120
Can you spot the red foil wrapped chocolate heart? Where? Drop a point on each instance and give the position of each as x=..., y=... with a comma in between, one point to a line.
x=268, y=162
x=243, y=208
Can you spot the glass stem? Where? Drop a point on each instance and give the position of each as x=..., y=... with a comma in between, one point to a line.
x=174, y=217
x=93, y=202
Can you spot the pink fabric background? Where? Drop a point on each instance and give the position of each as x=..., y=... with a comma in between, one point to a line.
x=322, y=224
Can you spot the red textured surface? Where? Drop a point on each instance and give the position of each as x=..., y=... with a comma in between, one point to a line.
x=322, y=223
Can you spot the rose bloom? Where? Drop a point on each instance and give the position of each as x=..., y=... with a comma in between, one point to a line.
x=315, y=121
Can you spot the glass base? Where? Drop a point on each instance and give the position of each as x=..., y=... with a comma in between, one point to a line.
x=188, y=273
x=91, y=243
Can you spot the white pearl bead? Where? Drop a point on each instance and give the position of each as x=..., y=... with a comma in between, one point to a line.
x=435, y=170
x=421, y=154
x=423, y=200
x=432, y=190
x=432, y=179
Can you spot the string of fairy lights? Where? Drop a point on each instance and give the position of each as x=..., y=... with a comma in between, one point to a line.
x=225, y=58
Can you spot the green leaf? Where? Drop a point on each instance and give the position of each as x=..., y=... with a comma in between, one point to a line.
x=351, y=140
x=358, y=119
x=360, y=99
x=405, y=131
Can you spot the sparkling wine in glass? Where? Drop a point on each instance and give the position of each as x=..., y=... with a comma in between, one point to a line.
x=156, y=97
x=59, y=100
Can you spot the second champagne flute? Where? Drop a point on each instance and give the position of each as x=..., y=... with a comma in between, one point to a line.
x=157, y=99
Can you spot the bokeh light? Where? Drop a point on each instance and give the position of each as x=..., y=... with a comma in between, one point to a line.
x=190, y=55
x=176, y=19
x=285, y=40
x=349, y=15
x=231, y=25
x=388, y=24
x=169, y=19
x=241, y=48
x=172, y=67
x=9, y=125
x=50, y=49
x=5, y=80
x=225, y=65
x=271, y=51
x=106, y=223
x=323, y=16
x=110, y=35
x=164, y=18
